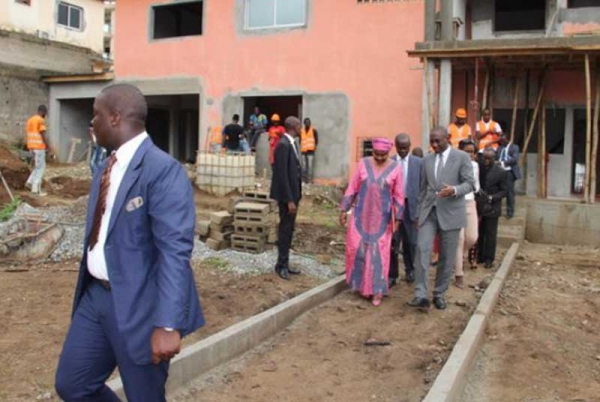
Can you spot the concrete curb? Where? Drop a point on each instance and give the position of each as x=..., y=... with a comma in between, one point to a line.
x=449, y=384
x=223, y=346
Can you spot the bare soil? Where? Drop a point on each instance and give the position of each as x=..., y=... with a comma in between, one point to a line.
x=543, y=340
x=322, y=356
x=35, y=310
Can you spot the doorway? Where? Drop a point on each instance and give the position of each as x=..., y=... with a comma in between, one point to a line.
x=284, y=106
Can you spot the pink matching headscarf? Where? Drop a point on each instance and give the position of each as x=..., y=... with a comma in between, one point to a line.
x=382, y=145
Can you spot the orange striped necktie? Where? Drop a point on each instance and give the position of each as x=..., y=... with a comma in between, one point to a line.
x=101, y=204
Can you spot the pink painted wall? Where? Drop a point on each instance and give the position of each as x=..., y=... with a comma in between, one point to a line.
x=356, y=49
x=570, y=28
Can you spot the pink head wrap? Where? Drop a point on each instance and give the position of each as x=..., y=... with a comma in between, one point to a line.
x=382, y=145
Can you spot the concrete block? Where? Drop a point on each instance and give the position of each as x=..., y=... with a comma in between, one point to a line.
x=221, y=218
x=217, y=245
x=203, y=228
x=272, y=237
x=260, y=195
x=257, y=219
x=233, y=201
x=233, y=341
x=252, y=208
x=221, y=228
x=221, y=236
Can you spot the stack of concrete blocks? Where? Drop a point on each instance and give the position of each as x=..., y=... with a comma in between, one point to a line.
x=219, y=232
x=255, y=223
x=221, y=174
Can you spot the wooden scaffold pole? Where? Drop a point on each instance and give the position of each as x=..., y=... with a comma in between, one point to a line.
x=588, y=129
x=595, y=139
x=513, y=122
x=542, y=180
x=535, y=114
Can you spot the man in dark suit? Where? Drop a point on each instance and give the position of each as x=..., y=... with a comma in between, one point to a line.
x=446, y=177
x=286, y=188
x=135, y=296
x=407, y=234
x=508, y=156
x=489, y=206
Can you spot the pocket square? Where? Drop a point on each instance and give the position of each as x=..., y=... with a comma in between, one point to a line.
x=134, y=204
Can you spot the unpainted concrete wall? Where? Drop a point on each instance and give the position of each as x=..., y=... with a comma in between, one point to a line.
x=21, y=92
x=44, y=56
x=75, y=117
x=563, y=222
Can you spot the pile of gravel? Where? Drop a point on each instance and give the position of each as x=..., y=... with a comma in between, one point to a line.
x=241, y=264
x=72, y=218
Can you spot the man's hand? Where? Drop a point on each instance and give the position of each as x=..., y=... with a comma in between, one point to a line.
x=446, y=191
x=292, y=208
x=343, y=219
x=165, y=344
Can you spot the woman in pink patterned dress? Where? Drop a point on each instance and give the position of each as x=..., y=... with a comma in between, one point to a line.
x=375, y=193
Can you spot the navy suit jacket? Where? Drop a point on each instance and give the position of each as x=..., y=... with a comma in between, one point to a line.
x=513, y=159
x=148, y=251
x=413, y=187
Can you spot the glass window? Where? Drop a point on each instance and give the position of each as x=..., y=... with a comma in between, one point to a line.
x=275, y=13
x=63, y=14
x=75, y=18
x=70, y=16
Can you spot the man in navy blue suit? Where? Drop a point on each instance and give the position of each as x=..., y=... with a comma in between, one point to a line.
x=136, y=296
x=407, y=234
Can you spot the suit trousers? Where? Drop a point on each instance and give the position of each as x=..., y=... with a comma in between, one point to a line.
x=467, y=238
x=488, y=234
x=407, y=236
x=287, y=223
x=510, y=193
x=448, y=245
x=92, y=350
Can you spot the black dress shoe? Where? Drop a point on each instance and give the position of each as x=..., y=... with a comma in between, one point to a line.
x=419, y=302
x=410, y=277
x=293, y=271
x=439, y=303
x=393, y=282
x=283, y=273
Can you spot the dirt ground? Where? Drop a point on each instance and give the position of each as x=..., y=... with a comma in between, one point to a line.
x=322, y=356
x=543, y=340
x=35, y=311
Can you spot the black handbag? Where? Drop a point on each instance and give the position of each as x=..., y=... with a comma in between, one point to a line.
x=485, y=208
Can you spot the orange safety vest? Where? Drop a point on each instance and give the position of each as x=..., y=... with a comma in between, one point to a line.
x=216, y=135
x=307, y=140
x=458, y=134
x=34, y=128
x=485, y=141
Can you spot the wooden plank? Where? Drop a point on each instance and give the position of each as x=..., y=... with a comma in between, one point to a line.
x=542, y=155
x=513, y=122
x=535, y=114
x=594, y=159
x=588, y=129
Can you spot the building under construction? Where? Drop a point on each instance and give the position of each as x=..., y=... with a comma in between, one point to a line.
x=536, y=65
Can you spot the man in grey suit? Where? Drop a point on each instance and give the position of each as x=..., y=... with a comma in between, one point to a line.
x=407, y=234
x=446, y=177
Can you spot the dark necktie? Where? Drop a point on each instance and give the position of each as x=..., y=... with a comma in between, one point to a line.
x=101, y=204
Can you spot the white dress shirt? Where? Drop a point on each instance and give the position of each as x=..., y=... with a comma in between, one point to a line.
x=293, y=142
x=404, y=164
x=444, y=157
x=504, y=157
x=471, y=195
x=96, y=260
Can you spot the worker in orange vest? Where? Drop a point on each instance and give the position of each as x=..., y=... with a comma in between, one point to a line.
x=216, y=139
x=488, y=131
x=459, y=130
x=309, y=140
x=276, y=131
x=37, y=144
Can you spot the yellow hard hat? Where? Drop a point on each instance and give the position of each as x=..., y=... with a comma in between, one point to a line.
x=461, y=113
x=275, y=117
